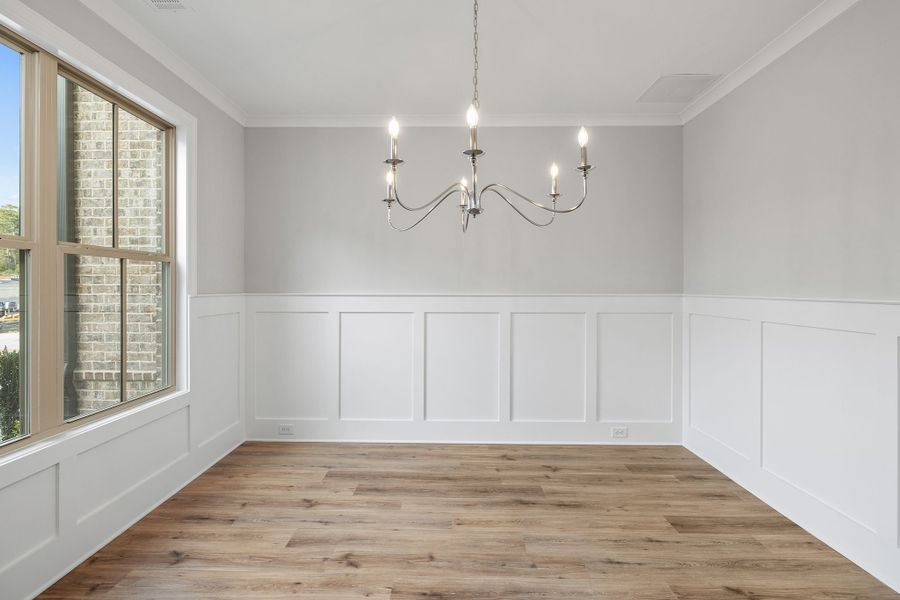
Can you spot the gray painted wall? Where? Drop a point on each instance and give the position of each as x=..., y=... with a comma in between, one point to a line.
x=792, y=182
x=791, y=188
x=315, y=220
x=220, y=154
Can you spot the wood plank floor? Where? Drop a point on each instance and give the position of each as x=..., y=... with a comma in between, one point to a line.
x=403, y=522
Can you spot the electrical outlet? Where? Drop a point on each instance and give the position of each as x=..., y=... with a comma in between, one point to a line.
x=286, y=429
x=620, y=432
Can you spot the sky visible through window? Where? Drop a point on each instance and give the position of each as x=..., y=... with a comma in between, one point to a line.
x=10, y=105
x=10, y=143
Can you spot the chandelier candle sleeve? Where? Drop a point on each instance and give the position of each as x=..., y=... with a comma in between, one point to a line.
x=472, y=120
x=554, y=179
x=394, y=131
x=582, y=141
x=389, y=178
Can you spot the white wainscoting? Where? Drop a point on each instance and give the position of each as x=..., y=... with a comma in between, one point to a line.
x=64, y=497
x=797, y=401
x=529, y=369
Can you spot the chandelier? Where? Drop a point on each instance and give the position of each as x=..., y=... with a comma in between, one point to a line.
x=470, y=196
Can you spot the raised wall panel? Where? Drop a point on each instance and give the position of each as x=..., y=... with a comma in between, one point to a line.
x=634, y=367
x=293, y=366
x=724, y=381
x=827, y=427
x=29, y=516
x=548, y=367
x=462, y=358
x=216, y=375
x=376, y=366
x=507, y=369
x=105, y=472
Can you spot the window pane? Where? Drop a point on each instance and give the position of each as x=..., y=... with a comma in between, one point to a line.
x=14, y=414
x=93, y=334
x=10, y=139
x=147, y=327
x=84, y=165
x=141, y=184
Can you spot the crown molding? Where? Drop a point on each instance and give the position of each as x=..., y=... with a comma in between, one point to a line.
x=123, y=22
x=458, y=120
x=812, y=22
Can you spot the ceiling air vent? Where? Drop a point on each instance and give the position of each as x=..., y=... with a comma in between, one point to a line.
x=167, y=4
x=677, y=89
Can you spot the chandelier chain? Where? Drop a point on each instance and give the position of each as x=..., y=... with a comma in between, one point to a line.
x=475, y=56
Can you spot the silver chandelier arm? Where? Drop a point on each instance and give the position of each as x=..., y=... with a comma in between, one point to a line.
x=435, y=203
x=552, y=209
x=437, y=199
x=493, y=188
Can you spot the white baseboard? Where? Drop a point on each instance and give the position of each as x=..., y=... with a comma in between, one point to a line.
x=166, y=495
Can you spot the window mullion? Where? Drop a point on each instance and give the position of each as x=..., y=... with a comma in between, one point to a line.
x=123, y=304
x=115, y=175
x=123, y=300
x=47, y=299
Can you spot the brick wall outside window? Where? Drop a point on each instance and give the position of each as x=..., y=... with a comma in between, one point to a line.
x=95, y=306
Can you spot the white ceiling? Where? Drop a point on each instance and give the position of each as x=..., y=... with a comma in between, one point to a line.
x=547, y=61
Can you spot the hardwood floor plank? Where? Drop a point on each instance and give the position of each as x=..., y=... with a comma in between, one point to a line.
x=729, y=525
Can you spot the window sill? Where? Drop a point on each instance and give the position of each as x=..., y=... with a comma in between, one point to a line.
x=115, y=419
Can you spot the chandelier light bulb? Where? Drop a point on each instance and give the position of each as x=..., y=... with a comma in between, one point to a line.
x=472, y=116
x=582, y=137
x=389, y=179
x=582, y=141
x=463, y=193
x=554, y=171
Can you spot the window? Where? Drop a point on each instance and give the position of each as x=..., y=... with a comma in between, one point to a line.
x=85, y=208
x=111, y=182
